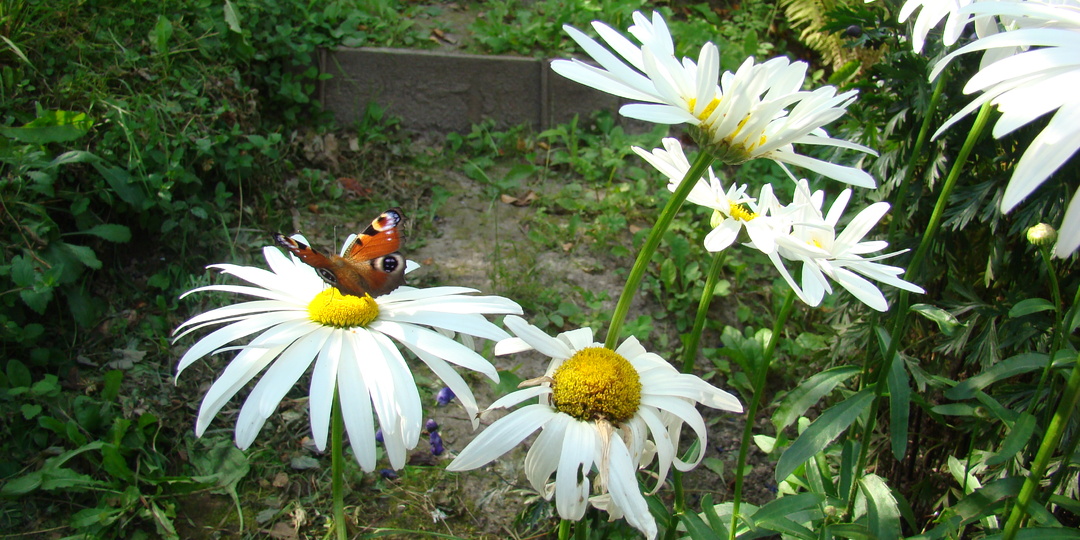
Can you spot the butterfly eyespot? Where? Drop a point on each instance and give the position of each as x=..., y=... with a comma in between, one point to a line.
x=327, y=275
x=388, y=264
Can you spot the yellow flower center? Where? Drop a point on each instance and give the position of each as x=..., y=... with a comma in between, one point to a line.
x=708, y=108
x=596, y=383
x=741, y=212
x=331, y=308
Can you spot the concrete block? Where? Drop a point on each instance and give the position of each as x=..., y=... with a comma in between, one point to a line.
x=448, y=92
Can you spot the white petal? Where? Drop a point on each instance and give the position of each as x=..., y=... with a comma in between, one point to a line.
x=623, y=486
x=536, y=337
x=572, y=476
x=242, y=369
x=862, y=289
x=690, y=416
x=280, y=320
x=543, y=457
x=356, y=405
x=434, y=343
x=498, y=438
x=323, y=384
x=1069, y=233
x=1054, y=145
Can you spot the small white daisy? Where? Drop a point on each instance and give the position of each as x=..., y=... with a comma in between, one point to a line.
x=810, y=237
x=733, y=210
x=597, y=407
x=760, y=111
x=300, y=321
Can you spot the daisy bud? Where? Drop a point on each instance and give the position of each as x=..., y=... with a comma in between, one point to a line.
x=1042, y=235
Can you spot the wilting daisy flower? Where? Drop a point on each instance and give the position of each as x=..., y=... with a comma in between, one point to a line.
x=811, y=239
x=597, y=408
x=760, y=111
x=733, y=210
x=1027, y=85
x=299, y=321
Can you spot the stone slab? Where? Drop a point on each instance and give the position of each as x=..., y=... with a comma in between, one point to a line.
x=447, y=92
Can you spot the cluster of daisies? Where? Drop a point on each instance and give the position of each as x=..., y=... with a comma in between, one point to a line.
x=604, y=414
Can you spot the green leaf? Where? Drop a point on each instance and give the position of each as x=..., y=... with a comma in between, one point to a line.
x=807, y=394
x=51, y=127
x=823, y=431
x=882, y=511
x=122, y=184
x=899, y=397
x=1029, y=306
x=698, y=529
x=161, y=34
x=954, y=409
x=1021, y=363
x=232, y=18
x=1042, y=533
x=18, y=374
x=22, y=485
x=1016, y=440
x=30, y=410
x=945, y=321
x=107, y=231
x=84, y=255
x=775, y=515
x=114, y=463
x=111, y=384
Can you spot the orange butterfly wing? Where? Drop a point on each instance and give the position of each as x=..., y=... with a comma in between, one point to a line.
x=371, y=264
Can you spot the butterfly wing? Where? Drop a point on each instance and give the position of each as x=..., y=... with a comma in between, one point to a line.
x=370, y=265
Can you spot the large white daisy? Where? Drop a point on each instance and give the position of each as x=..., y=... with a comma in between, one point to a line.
x=298, y=320
x=1028, y=85
x=760, y=111
x=810, y=237
x=597, y=408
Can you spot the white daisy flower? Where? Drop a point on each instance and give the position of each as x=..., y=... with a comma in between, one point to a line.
x=300, y=321
x=760, y=111
x=930, y=14
x=733, y=210
x=1028, y=85
x=597, y=407
x=811, y=239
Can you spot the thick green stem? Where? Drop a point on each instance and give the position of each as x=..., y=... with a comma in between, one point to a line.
x=337, y=427
x=1049, y=446
x=759, y=378
x=916, y=151
x=697, y=169
x=913, y=270
x=564, y=529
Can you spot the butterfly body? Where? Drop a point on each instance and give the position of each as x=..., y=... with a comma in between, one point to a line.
x=370, y=264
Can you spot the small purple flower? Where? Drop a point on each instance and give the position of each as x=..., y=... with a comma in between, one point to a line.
x=436, y=443
x=431, y=425
x=388, y=474
x=444, y=396
x=378, y=436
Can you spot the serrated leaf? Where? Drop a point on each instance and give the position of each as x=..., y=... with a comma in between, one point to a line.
x=232, y=18
x=822, y=432
x=1029, y=306
x=882, y=512
x=807, y=394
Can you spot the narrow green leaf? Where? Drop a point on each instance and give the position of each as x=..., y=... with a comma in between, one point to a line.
x=1021, y=363
x=1042, y=533
x=774, y=515
x=122, y=184
x=51, y=127
x=807, y=394
x=107, y=231
x=1016, y=440
x=22, y=485
x=1029, y=306
x=697, y=528
x=163, y=31
x=946, y=322
x=881, y=509
x=823, y=431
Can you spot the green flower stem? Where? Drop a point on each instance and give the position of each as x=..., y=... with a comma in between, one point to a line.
x=663, y=221
x=916, y=151
x=689, y=355
x=564, y=529
x=691, y=347
x=1055, y=291
x=760, y=376
x=337, y=426
x=913, y=270
x=1049, y=445
x=1070, y=448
